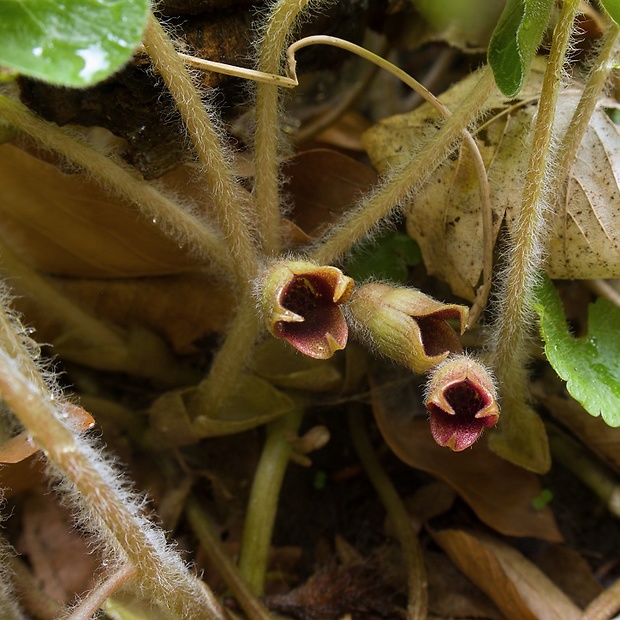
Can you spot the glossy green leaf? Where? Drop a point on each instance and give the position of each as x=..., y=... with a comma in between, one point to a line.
x=613, y=8
x=515, y=40
x=589, y=365
x=70, y=42
x=386, y=258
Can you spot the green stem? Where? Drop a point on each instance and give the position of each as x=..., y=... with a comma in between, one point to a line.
x=279, y=22
x=400, y=183
x=119, y=180
x=229, y=199
x=417, y=607
x=263, y=503
x=212, y=546
x=593, y=474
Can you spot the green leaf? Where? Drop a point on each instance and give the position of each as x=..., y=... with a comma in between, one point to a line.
x=70, y=42
x=385, y=258
x=589, y=365
x=515, y=40
x=613, y=8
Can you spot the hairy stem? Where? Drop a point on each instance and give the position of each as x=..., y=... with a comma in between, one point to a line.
x=224, y=565
x=403, y=180
x=520, y=437
x=93, y=485
x=279, y=23
x=229, y=361
x=597, y=79
x=417, y=607
x=263, y=503
x=119, y=180
x=229, y=198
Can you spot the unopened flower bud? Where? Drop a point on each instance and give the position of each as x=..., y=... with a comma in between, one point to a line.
x=300, y=303
x=461, y=399
x=407, y=325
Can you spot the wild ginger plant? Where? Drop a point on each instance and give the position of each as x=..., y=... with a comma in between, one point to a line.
x=297, y=294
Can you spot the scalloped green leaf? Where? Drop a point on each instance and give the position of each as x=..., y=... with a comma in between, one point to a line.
x=589, y=365
x=515, y=40
x=386, y=258
x=70, y=42
x=613, y=9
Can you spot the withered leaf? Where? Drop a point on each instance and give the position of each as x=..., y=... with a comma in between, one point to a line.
x=500, y=493
x=66, y=224
x=445, y=216
x=516, y=585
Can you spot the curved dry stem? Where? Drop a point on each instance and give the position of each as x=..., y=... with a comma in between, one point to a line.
x=89, y=606
x=483, y=180
x=401, y=182
x=229, y=198
x=279, y=22
x=263, y=503
x=119, y=180
x=604, y=289
x=417, y=606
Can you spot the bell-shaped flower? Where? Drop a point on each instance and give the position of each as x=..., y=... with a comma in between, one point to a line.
x=407, y=325
x=301, y=304
x=461, y=399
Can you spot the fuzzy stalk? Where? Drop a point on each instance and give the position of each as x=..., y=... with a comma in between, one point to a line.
x=417, y=606
x=229, y=361
x=403, y=180
x=103, y=504
x=597, y=79
x=278, y=25
x=120, y=181
x=263, y=503
x=524, y=260
x=229, y=199
x=248, y=601
x=9, y=609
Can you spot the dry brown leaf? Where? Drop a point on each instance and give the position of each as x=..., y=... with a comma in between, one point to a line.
x=66, y=224
x=500, y=493
x=57, y=552
x=322, y=184
x=516, y=586
x=445, y=216
x=181, y=308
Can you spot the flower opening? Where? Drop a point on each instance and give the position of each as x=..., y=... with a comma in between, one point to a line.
x=407, y=325
x=301, y=305
x=462, y=401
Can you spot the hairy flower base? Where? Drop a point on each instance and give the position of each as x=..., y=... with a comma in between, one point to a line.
x=462, y=401
x=407, y=325
x=301, y=302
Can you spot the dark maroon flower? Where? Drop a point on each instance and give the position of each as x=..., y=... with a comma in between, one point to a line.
x=301, y=304
x=462, y=401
